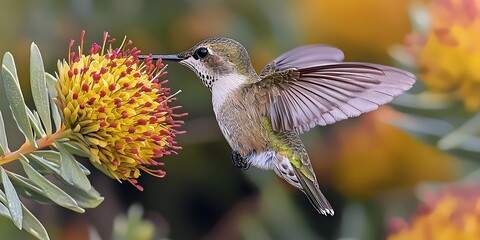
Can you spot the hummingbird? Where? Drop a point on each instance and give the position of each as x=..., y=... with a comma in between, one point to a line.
x=262, y=115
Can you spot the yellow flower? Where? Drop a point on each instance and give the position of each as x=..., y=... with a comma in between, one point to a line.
x=448, y=55
x=451, y=214
x=116, y=109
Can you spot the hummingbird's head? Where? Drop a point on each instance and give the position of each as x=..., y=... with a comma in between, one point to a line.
x=213, y=59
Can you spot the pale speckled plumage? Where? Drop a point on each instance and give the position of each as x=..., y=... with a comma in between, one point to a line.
x=221, y=92
x=262, y=116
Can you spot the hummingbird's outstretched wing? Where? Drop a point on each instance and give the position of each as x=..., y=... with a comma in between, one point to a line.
x=305, y=56
x=298, y=94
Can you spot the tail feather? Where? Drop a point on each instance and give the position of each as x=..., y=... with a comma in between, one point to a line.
x=309, y=186
x=316, y=197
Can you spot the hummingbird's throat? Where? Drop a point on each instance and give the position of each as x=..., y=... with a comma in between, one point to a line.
x=206, y=76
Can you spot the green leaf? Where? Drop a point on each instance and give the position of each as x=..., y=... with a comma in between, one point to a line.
x=3, y=137
x=462, y=135
x=32, y=225
x=85, y=199
x=9, y=63
x=4, y=210
x=37, y=120
x=51, y=155
x=17, y=104
x=29, y=189
x=51, y=82
x=39, y=87
x=75, y=149
x=51, y=190
x=133, y=226
x=88, y=199
x=43, y=164
x=53, y=159
x=13, y=202
x=71, y=171
x=35, y=123
x=432, y=105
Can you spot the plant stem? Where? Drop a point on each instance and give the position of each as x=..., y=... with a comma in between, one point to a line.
x=26, y=148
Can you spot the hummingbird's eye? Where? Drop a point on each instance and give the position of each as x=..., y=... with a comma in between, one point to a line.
x=200, y=53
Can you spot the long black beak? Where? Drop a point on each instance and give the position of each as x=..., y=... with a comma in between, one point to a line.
x=174, y=58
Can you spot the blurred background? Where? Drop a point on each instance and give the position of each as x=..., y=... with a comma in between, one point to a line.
x=377, y=170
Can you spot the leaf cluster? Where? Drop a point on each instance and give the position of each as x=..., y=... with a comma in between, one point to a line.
x=45, y=152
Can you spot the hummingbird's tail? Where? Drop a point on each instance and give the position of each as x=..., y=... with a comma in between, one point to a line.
x=316, y=197
x=309, y=186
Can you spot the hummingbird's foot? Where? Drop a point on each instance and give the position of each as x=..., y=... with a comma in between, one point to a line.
x=239, y=161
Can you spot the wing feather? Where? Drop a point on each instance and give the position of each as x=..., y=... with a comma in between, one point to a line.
x=310, y=86
x=305, y=56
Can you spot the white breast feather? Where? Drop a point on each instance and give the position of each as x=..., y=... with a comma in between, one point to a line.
x=223, y=87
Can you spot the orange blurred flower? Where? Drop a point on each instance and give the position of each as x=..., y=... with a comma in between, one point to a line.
x=363, y=29
x=448, y=54
x=451, y=214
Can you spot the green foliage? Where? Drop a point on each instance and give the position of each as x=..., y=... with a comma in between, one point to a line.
x=29, y=222
x=133, y=226
x=74, y=190
x=39, y=87
x=3, y=137
x=15, y=97
x=70, y=170
x=440, y=121
x=437, y=119
x=13, y=202
x=51, y=81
